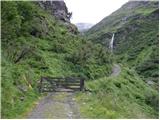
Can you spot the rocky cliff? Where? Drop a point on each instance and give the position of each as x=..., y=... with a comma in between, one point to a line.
x=57, y=8
x=60, y=11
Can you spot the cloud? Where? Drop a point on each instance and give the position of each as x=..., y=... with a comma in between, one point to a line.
x=92, y=11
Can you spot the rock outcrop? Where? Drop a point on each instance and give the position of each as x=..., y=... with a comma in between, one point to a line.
x=57, y=8
x=60, y=11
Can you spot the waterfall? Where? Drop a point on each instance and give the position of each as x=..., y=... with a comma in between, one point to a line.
x=111, y=43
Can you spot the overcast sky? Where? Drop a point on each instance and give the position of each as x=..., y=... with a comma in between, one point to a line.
x=92, y=11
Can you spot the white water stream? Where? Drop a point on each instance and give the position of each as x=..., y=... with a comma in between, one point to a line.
x=111, y=43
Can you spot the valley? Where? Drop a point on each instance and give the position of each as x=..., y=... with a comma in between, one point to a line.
x=118, y=58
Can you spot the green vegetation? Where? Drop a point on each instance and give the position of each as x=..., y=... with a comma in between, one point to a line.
x=141, y=49
x=134, y=93
x=124, y=96
x=135, y=26
x=37, y=45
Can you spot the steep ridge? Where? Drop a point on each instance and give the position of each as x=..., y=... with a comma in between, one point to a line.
x=135, y=26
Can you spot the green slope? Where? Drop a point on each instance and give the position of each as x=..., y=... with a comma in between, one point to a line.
x=123, y=96
x=35, y=44
x=128, y=95
x=135, y=26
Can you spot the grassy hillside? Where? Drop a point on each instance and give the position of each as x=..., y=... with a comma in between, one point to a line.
x=123, y=96
x=134, y=93
x=135, y=26
x=35, y=45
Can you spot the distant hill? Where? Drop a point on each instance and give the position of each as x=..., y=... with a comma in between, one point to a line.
x=83, y=26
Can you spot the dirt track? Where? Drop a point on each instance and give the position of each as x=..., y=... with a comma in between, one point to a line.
x=55, y=106
x=116, y=70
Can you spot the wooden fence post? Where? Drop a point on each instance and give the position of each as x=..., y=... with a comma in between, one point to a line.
x=81, y=84
x=40, y=88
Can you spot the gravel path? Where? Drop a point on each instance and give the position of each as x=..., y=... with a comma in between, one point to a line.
x=58, y=105
x=116, y=70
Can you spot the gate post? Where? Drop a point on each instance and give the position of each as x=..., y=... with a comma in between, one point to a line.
x=40, y=88
x=81, y=84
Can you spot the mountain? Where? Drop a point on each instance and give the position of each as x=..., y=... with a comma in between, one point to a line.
x=135, y=26
x=83, y=26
